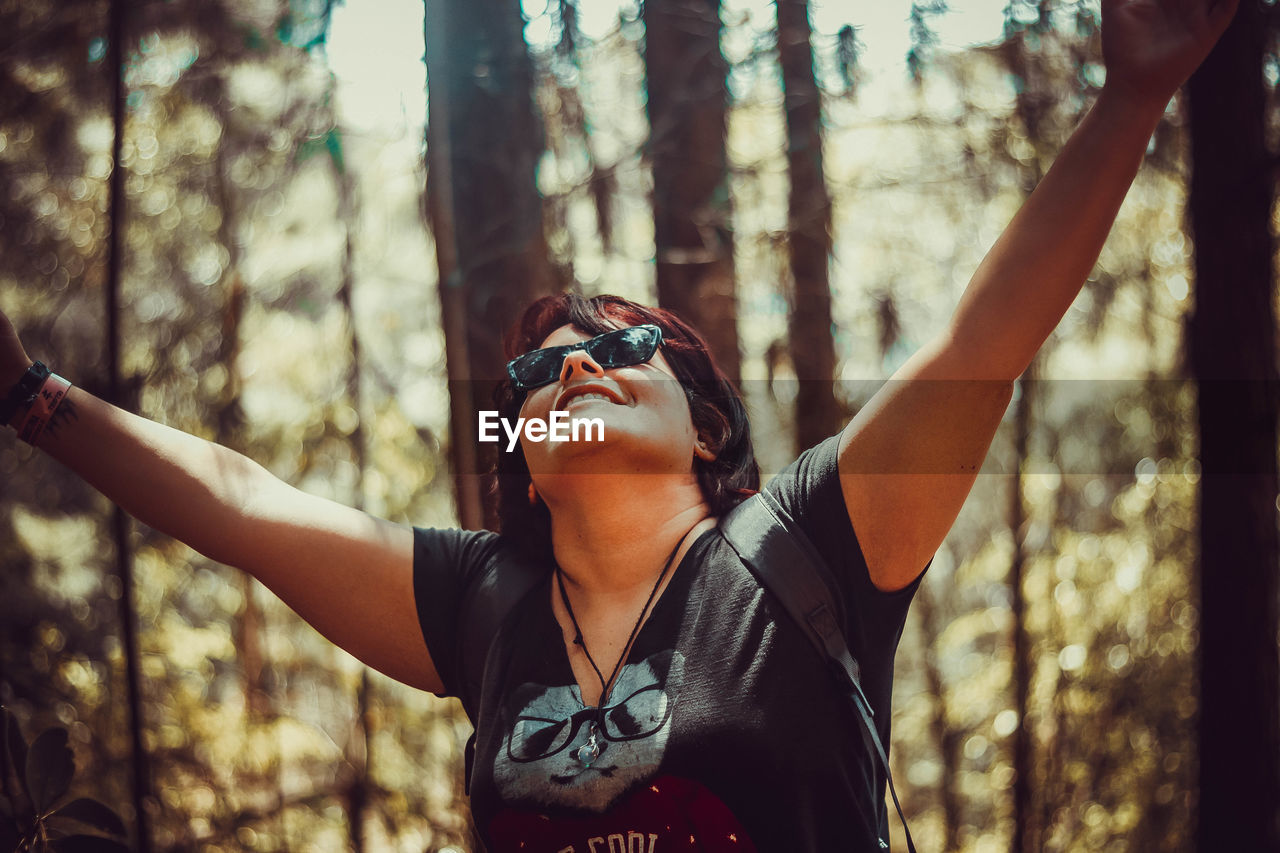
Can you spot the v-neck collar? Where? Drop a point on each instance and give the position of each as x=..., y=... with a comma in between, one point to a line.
x=679, y=586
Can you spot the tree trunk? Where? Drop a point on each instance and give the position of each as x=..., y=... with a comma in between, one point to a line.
x=358, y=751
x=484, y=140
x=1030, y=108
x=120, y=526
x=1024, y=830
x=685, y=77
x=1233, y=357
x=947, y=740
x=813, y=353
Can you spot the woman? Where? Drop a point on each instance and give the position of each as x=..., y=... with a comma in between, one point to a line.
x=648, y=695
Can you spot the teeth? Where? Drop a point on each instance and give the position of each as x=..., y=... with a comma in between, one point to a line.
x=590, y=396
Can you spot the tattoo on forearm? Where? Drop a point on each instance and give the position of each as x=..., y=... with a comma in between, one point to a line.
x=64, y=414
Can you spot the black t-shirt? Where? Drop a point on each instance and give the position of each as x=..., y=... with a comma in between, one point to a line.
x=724, y=730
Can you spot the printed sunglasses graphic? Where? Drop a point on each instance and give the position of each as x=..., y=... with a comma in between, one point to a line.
x=640, y=715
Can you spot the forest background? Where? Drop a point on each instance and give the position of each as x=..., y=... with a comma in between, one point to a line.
x=211, y=237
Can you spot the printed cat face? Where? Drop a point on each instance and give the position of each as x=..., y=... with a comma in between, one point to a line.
x=558, y=753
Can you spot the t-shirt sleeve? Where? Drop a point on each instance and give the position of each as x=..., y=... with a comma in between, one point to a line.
x=445, y=563
x=809, y=489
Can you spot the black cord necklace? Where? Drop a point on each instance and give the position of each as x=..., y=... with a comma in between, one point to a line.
x=590, y=751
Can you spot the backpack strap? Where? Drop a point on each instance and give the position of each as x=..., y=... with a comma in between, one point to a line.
x=787, y=564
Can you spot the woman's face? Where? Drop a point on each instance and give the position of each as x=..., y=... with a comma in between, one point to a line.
x=642, y=408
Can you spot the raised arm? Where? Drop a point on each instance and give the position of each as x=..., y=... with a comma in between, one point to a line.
x=910, y=457
x=347, y=573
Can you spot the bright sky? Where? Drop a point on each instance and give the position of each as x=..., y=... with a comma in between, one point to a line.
x=375, y=46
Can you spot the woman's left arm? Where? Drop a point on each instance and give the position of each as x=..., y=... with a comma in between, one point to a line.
x=910, y=457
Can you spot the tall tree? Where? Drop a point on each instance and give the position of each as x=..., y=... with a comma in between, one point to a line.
x=484, y=140
x=812, y=346
x=120, y=524
x=685, y=77
x=1023, y=830
x=1233, y=356
x=360, y=747
x=1030, y=106
x=948, y=740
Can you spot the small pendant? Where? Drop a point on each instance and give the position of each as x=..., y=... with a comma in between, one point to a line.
x=589, y=751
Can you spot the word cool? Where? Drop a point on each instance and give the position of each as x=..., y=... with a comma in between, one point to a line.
x=560, y=427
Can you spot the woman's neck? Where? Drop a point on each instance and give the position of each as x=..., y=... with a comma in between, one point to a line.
x=611, y=535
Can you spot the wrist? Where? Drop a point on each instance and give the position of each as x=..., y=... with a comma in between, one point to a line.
x=17, y=395
x=1126, y=121
x=1133, y=104
x=11, y=375
x=31, y=404
x=39, y=412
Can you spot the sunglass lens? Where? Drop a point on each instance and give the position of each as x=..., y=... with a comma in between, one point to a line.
x=539, y=367
x=625, y=346
x=534, y=738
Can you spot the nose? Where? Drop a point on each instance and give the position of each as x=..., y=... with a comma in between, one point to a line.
x=579, y=361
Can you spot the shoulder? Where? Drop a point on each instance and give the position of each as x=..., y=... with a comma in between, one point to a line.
x=442, y=547
x=811, y=492
x=465, y=582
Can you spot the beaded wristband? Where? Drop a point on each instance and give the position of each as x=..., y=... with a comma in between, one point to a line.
x=47, y=399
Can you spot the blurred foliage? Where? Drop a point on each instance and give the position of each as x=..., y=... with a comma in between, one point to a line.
x=34, y=812
x=232, y=156
x=235, y=160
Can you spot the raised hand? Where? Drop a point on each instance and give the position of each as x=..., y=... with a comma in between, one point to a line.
x=1152, y=46
x=1017, y=296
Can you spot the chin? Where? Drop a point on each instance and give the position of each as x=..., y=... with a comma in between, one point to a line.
x=621, y=453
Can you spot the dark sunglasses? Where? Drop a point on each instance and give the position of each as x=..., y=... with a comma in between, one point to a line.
x=634, y=345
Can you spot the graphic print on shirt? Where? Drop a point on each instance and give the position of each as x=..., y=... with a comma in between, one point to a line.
x=542, y=759
x=665, y=815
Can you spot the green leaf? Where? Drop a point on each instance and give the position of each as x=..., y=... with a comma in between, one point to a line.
x=50, y=765
x=15, y=748
x=95, y=814
x=88, y=844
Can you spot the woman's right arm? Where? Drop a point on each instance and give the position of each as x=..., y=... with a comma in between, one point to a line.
x=347, y=573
